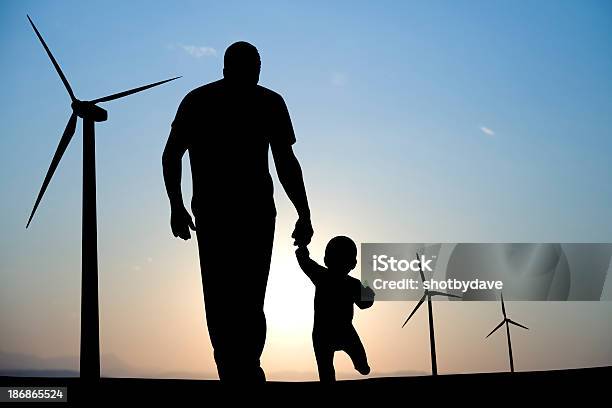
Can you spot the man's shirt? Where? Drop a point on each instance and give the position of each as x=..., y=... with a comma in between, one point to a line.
x=228, y=133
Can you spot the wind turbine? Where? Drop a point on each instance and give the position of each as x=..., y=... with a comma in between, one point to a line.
x=90, y=113
x=507, y=322
x=428, y=294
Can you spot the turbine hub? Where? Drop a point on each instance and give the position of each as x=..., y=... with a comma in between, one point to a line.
x=88, y=110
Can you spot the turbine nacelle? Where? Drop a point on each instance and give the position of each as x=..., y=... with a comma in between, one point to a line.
x=89, y=110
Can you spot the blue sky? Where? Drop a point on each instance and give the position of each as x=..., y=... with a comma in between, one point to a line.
x=404, y=89
x=416, y=121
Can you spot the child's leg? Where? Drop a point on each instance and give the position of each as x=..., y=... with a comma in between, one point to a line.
x=324, y=354
x=354, y=348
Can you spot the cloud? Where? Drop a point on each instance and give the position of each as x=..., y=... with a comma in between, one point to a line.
x=199, y=51
x=487, y=131
x=339, y=79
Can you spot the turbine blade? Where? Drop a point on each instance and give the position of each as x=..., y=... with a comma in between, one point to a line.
x=436, y=293
x=496, y=328
x=502, y=304
x=420, y=268
x=517, y=324
x=131, y=91
x=415, y=309
x=55, y=64
x=59, y=152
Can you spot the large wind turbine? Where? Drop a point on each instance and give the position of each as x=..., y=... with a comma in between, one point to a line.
x=427, y=294
x=507, y=322
x=90, y=113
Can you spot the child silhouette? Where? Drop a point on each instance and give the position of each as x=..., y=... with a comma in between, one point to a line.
x=335, y=294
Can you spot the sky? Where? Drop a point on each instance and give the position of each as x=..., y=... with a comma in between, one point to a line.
x=416, y=121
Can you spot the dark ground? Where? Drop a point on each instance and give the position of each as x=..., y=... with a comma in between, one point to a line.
x=461, y=389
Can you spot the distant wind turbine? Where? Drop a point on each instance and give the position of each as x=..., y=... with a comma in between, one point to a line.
x=507, y=322
x=90, y=113
x=427, y=294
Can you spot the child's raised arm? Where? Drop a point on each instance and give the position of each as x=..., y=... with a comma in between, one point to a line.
x=312, y=269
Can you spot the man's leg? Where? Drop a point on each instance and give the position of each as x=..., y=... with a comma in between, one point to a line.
x=215, y=303
x=234, y=279
x=254, y=255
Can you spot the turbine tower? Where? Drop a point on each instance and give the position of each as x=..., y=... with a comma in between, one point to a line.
x=428, y=294
x=507, y=322
x=90, y=113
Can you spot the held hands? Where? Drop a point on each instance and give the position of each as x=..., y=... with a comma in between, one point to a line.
x=302, y=252
x=181, y=222
x=302, y=233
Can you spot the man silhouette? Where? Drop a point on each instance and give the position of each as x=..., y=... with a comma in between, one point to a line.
x=228, y=127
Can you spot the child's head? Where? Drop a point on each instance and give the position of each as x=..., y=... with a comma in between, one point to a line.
x=341, y=254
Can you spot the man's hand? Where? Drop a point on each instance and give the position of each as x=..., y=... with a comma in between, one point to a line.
x=181, y=221
x=302, y=252
x=302, y=234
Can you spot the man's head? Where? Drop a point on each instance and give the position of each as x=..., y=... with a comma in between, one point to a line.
x=242, y=64
x=341, y=254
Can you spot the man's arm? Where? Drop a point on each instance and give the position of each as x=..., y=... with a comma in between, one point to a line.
x=289, y=170
x=180, y=220
x=290, y=176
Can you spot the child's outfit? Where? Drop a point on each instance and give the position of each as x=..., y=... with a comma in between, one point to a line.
x=333, y=329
